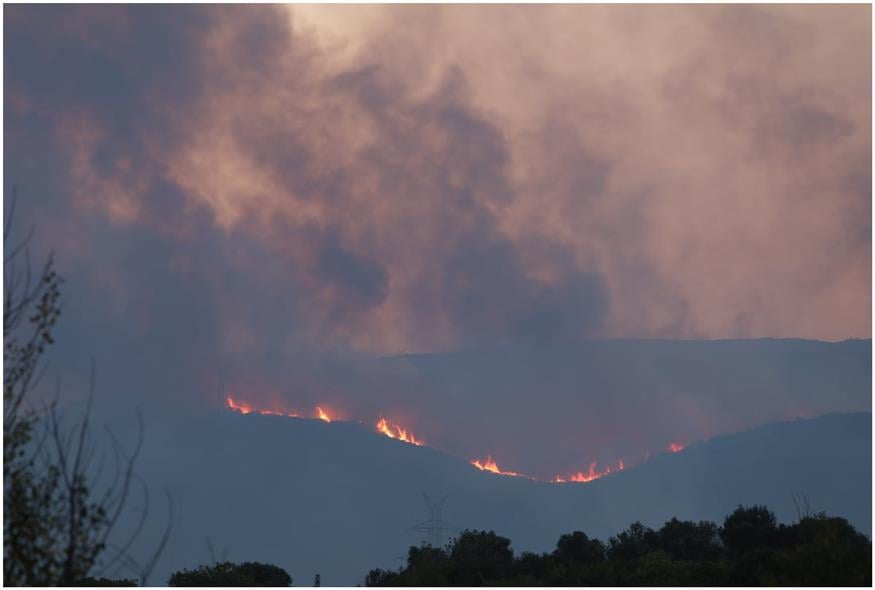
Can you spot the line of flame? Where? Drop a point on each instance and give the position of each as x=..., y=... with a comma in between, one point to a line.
x=491, y=466
x=592, y=474
x=245, y=408
x=397, y=432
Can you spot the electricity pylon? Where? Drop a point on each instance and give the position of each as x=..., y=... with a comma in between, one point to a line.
x=434, y=527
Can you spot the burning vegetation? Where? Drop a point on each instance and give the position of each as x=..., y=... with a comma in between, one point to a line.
x=489, y=465
x=399, y=433
x=592, y=473
x=245, y=408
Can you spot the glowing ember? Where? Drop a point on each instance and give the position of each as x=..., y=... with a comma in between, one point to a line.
x=490, y=465
x=592, y=474
x=675, y=447
x=396, y=432
x=322, y=415
x=243, y=407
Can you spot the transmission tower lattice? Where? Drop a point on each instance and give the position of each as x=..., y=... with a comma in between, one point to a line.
x=434, y=527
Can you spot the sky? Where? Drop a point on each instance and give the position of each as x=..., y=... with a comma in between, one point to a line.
x=261, y=198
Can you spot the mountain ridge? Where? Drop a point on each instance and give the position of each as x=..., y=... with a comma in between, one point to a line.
x=339, y=499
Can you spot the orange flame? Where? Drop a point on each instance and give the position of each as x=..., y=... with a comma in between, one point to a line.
x=243, y=407
x=490, y=466
x=592, y=474
x=398, y=433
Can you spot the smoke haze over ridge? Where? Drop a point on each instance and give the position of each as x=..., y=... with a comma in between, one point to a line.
x=267, y=198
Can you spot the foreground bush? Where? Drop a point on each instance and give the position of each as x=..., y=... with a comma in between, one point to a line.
x=231, y=574
x=105, y=582
x=750, y=549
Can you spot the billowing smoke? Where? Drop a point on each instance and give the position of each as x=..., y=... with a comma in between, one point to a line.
x=263, y=199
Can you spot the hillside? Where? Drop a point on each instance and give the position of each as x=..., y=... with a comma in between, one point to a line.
x=603, y=400
x=339, y=499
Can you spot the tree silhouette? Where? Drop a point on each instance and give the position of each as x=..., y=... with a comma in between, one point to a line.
x=818, y=550
x=55, y=527
x=633, y=543
x=579, y=548
x=690, y=541
x=478, y=557
x=749, y=529
x=230, y=574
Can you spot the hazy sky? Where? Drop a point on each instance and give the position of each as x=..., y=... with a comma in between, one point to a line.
x=242, y=192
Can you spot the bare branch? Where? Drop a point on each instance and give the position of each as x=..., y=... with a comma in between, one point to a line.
x=153, y=560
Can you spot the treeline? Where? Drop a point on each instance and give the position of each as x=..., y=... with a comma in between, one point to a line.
x=750, y=549
x=219, y=574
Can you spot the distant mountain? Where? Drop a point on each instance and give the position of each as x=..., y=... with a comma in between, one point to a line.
x=548, y=407
x=339, y=499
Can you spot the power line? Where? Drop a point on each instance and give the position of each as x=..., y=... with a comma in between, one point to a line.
x=435, y=528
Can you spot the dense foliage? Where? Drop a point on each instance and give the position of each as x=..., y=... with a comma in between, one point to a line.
x=750, y=549
x=56, y=526
x=231, y=574
x=105, y=582
x=52, y=526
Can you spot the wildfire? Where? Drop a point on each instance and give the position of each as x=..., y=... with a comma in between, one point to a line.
x=398, y=433
x=592, y=474
x=242, y=407
x=245, y=408
x=490, y=465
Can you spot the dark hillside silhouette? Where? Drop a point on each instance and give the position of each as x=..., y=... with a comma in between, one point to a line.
x=298, y=493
